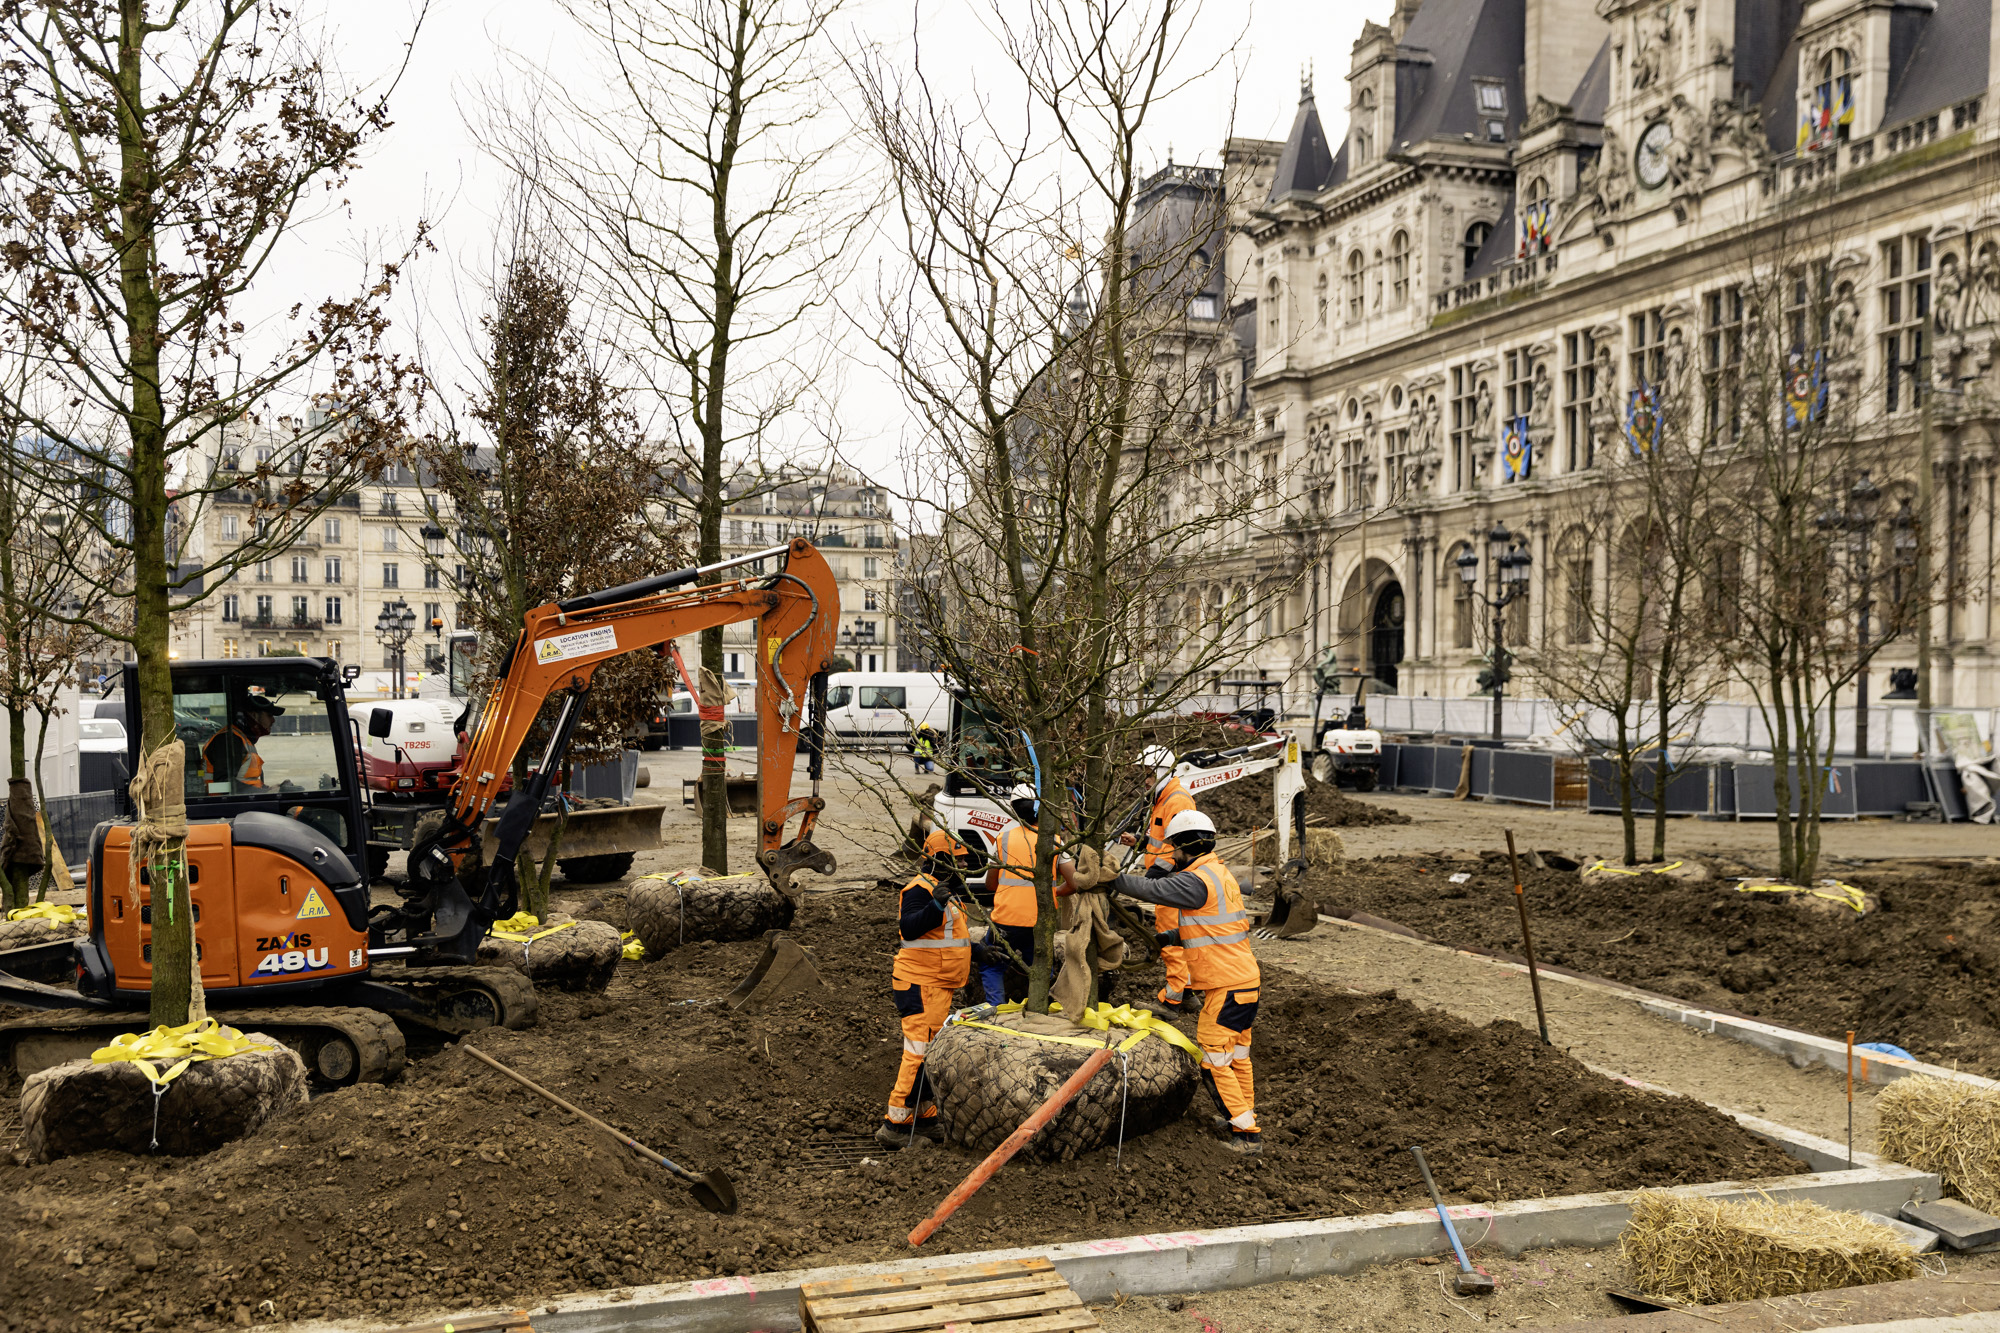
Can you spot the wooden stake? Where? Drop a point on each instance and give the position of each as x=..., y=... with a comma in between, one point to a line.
x=1850, y=1101
x=1527, y=939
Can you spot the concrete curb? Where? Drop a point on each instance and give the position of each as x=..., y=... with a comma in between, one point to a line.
x=1161, y=1263
x=1801, y=1048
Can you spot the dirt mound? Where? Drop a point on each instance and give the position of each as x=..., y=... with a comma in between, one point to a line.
x=1245, y=804
x=1922, y=973
x=455, y=1188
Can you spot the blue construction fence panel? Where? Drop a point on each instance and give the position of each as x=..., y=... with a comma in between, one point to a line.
x=1688, y=788
x=1889, y=787
x=1523, y=777
x=1757, y=792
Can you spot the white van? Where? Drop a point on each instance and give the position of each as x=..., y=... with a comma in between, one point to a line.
x=886, y=705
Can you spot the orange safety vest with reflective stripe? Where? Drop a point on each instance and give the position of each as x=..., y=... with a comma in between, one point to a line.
x=1014, y=901
x=1216, y=935
x=213, y=765
x=942, y=956
x=1173, y=799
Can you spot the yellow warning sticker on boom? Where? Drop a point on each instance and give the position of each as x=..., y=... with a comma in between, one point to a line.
x=313, y=906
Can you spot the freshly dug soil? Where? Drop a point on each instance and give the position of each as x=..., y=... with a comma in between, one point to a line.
x=454, y=1187
x=1245, y=804
x=1922, y=973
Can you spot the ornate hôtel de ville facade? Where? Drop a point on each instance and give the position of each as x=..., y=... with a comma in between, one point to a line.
x=1531, y=212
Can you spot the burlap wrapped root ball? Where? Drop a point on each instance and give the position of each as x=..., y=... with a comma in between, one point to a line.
x=1708, y=1250
x=987, y=1083
x=83, y=1107
x=1935, y=1124
x=667, y=914
x=34, y=930
x=574, y=956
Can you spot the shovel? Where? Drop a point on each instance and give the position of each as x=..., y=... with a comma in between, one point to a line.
x=712, y=1191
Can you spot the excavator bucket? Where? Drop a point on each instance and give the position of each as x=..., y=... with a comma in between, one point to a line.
x=1294, y=910
x=784, y=969
x=781, y=863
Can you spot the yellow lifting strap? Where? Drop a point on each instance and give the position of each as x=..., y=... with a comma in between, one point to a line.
x=1831, y=889
x=176, y=1047
x=635, y=952
x=1605, y=869
x=681, y=878
x=1102, y=1018
x=521, y=928
x=56, y=914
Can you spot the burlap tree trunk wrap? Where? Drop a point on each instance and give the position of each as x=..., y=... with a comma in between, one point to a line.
x=159, y=794
x=988, y=1082
x=666, y=911
x=1085, y=920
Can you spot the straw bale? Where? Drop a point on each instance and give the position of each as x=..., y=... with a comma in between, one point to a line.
x=1952, y=1128
x=1708, y=1250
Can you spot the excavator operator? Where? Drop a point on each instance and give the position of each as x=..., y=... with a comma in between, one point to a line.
x=229, y=758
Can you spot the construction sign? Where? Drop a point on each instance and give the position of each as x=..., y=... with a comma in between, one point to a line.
x=313, y=906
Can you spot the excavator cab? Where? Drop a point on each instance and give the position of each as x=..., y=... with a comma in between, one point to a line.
x=276, y=858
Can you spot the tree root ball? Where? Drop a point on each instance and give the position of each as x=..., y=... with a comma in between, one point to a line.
x=667, y=915
x=988, y=1082
x=82, y=1107
x=580, y=957
x=31, y=931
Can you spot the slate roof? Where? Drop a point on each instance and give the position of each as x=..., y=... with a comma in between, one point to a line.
x=1593, y=94
x=1946, y=61
x=1466, y=40
x=1500, y=243
x=1307, y=165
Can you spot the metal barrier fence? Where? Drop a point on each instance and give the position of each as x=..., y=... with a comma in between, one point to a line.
x=73, y=818
x=1520, y=777
x=1892, y=728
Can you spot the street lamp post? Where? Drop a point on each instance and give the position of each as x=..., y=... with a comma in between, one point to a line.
x=1510, y=564
x=393, y=626
x=1858, y=522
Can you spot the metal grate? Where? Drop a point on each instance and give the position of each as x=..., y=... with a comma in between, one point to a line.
x=842, y=1151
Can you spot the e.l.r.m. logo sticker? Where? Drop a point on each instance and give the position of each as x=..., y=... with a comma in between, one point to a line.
x=313, y=906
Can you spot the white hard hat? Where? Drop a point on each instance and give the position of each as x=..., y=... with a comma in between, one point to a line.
x=1022, y=792
x=1189, y=821
x=1156, y=757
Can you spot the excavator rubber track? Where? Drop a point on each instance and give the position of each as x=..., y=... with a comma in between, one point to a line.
x=341, y=1046
x=458, y=1000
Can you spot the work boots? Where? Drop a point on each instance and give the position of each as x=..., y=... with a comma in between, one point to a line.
x=892, y=1135
x=1245, y=1144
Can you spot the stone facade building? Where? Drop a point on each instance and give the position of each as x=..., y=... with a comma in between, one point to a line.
x=1529, y=221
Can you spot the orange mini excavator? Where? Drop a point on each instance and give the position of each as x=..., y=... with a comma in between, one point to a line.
x=287, y=938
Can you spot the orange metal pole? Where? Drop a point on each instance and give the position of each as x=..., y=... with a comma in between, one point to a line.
x=1015, y=1142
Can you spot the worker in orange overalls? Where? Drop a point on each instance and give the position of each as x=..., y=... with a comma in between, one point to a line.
x=1010, y=879
x=1169, y=799
x=230, y=755
x=934, y=961
x=1214, y=930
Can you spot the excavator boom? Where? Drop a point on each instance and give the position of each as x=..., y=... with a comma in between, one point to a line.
x=560, y=647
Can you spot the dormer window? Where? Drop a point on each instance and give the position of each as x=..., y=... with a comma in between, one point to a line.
x=1829, y=116
x=1475, y=237
x=1492, y=97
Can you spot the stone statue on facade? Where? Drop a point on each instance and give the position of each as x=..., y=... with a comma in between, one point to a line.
x=1615, y=186
x=1689, y=161
x=1981, y=301
x=1541, y=410
x=1740, y=130
x=1846, y=321
x=1676, y=360
x=1604, y=399
x=1949, y=298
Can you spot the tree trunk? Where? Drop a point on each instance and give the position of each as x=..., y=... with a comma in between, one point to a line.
x=1626, y=817
x=17, y=761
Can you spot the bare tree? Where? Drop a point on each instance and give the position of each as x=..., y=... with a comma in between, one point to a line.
x=152, y=161
x=1045, y=335
x=1628, y=650
x=700, y=178
x=1814, y=571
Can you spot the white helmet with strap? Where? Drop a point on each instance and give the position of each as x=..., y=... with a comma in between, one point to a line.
x=1158, y=758
x=1189, y=821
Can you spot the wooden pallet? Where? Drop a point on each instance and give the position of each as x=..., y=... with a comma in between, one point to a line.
x=1017, y=1296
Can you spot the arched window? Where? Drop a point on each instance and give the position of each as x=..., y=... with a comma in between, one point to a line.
x=1355, y=264
x=1475, y=237
x=1461, y=598
x=1363, y=138
x=1377, y=303
x=1830, y=114
x=1535, y=211
x=1399, y=269
x=1319, y=289
x=1271, y=312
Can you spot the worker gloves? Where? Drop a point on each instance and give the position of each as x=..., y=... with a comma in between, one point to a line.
x=1167, y=939
x=948, y=887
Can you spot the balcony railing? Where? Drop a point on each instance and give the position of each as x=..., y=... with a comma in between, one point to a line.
x=1807, y=169
x=276, y=623
x=1522, y=272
